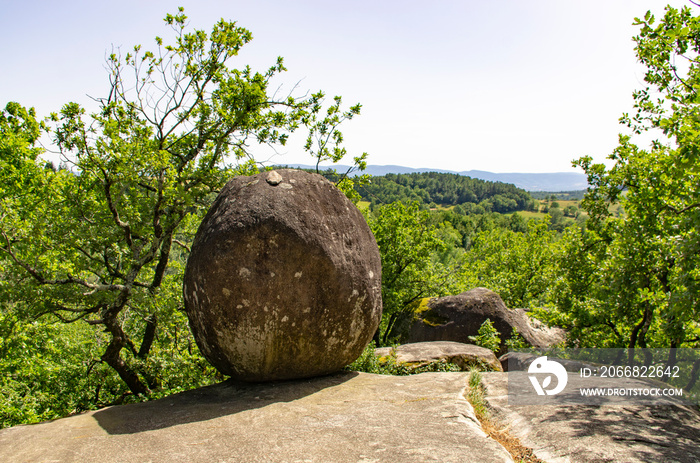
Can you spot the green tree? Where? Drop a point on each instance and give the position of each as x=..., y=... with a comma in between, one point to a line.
x=50, y=370
x=520, y=267
x=488, y=336
x=104, y=241
x=407, y=243
x=324, y=142
x=570, y=211
x=557, y=221
x=644, y=283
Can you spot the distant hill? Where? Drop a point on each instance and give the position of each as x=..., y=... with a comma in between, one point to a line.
x=444, y=189
x=558, y=181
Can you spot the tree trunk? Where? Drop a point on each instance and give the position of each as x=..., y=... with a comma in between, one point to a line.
x=648, y=315
x=694, y=374
x=148, y=336
x=114, y=360
x=639, y=335
x=112, y=356
x=389, y=326
x=377, y=337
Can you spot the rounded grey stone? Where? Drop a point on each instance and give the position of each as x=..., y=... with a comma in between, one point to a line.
x=282, y=282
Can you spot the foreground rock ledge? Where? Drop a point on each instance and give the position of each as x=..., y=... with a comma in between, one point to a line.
x=348, y=417
x=630, y=433
x=284, y=278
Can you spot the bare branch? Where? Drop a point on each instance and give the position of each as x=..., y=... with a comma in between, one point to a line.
x=113, y=209
x=182, y=245
x=683, y=210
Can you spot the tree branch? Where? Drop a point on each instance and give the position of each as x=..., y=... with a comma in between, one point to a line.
x=115, y=214
x=36, y=274
x=182, y=245
x=683, y=210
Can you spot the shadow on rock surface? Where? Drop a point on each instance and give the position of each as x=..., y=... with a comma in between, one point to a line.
x=202, y=404
x=581, y=433
x=649, y=433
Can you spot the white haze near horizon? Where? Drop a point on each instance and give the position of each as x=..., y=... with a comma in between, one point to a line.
x=507, y=86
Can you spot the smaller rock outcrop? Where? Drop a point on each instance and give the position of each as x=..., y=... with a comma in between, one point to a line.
x=422, y=353
x=456, y=318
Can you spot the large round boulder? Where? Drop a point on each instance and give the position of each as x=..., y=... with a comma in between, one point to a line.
x=283, y=279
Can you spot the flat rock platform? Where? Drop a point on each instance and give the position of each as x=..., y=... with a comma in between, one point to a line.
x=347, y=417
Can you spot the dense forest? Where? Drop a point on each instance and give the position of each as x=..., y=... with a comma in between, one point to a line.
x=445, y=190
x=92, y=252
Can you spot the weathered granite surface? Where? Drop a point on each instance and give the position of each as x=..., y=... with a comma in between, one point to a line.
x=627, y=433
x=348, y=417
x=421, y=353
x=284, y=278
x=457, y=318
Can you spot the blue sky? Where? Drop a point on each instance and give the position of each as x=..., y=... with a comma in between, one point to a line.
x=502, y=86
